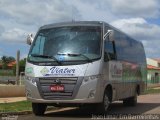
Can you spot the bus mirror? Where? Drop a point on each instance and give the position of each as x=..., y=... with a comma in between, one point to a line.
x=29, y=39
x=110, y=35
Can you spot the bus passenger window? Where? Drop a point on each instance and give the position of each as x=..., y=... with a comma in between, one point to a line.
x=109, y=51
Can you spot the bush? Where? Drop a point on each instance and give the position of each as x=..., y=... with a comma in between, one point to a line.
x=6, y=72
x=22, y=64
x=4, y=66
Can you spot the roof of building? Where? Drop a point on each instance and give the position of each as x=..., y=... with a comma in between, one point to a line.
x=152, y=67
x=11, y=64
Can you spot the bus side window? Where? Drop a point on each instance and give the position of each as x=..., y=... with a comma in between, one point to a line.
x=109, y=53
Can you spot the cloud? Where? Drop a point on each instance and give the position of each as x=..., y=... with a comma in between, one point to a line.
x=13, y=35
x=26, y=14
x=143, y=31
x=152, y=48
x=23, y=17
x=90, y=10
x=20, y=17
x=33, y=12
x=138, y=8
x=139, y=28
x=129, y=8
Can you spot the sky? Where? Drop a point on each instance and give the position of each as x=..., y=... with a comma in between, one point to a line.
x=138, y=18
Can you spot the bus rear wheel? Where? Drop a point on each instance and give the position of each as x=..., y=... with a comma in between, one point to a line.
x=38, y=108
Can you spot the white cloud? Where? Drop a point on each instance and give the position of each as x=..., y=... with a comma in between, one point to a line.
x=22, y=17
x=90, y=10
x=138, y=28
x=128, y=8
x=13, y=35
x=136, y=8
x=152, y=48
x=26, y=14
x=37, y=12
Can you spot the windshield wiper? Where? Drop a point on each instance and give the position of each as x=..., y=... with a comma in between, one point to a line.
x=75, y=55
x=47, y=56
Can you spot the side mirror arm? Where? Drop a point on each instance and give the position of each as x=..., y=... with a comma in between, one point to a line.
x=110, y=34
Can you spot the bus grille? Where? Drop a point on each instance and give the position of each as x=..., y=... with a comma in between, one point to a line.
x=46, y=93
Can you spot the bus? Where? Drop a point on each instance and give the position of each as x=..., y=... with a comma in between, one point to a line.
x=83, y=63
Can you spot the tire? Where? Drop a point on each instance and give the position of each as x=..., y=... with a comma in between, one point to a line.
x=132, y=101
x=103, y=107
x=38, y=109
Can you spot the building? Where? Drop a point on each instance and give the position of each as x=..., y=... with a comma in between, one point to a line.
x=153, y=75
x=9, y=65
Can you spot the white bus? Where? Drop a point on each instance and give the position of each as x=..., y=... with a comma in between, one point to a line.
x=81, y=63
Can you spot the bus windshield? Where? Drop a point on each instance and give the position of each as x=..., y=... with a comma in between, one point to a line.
x=69, y=43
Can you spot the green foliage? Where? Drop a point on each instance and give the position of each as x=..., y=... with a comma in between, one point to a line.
x=22, y=64
x=14, y=69
x=6, y=72
x=5, y=60
x=4, y=66
x=152, y=91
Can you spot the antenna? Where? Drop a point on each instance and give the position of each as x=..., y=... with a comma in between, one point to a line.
x=73, y=19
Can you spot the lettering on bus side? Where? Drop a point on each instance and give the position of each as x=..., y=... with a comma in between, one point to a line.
x=115, y=71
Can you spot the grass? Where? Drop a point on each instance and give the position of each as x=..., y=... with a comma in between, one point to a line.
x=15, y=106
x=19, y=106
x=152, y=91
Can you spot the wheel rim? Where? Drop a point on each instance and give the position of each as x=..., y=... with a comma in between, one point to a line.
x=106, y=102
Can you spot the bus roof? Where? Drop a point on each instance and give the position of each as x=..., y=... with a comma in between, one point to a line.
x=73, y=23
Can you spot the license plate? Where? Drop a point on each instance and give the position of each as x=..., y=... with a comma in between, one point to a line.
x=57, y=88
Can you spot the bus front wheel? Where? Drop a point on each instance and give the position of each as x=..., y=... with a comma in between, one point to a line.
x=38, y=108
x=103, y=107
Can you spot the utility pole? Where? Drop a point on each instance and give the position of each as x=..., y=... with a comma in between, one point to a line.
x=17, y=67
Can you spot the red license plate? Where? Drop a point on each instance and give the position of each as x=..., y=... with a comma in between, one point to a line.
x=57, y=88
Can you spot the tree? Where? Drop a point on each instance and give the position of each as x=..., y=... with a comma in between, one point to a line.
x=22, y=64
x=6, y=60
x=11, y=59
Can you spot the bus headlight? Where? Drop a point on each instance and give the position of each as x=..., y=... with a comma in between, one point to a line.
x=31, y=80
x=92, y=94
x=91, y=78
